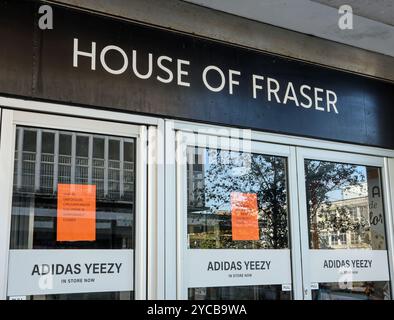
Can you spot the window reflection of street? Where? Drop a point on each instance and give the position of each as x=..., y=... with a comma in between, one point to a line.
x=212, y=175
x=345, y=211
x=45, y=158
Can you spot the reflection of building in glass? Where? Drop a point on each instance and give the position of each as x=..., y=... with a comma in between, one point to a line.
x=45, y=158
x=195, y=178
x=345, y=206
x=209, y=230
x=213, y=175
x=355, y=191
x=350, y=230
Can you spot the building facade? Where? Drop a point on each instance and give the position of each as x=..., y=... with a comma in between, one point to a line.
x=164, y=150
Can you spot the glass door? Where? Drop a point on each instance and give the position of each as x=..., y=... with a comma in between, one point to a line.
x=73, y=212
x=235, y=223
x=343, y=226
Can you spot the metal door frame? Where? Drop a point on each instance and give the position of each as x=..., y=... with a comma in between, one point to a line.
x=185, y=139
x=297, y=145
x=340, y=157
x=12, y=118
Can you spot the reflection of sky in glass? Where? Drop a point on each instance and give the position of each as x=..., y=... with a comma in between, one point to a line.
x=361, y=175
x=243, y=168
x=211, y=182
x=237, y=166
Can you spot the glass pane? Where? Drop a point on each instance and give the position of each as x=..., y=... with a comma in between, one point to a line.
x=128, y=169
x=65, y=144
x=47, y=162
x=346, y=217
x=82, y=146
x=98, y=165
x=82, y=160
x=98, y=148
x=268, y=292
x=64, y=169
x=48, y=142
x=214, y=179
x=66, y=162
x=114, y=165
x=29, y=140
x=29, y=144
x=114, y=149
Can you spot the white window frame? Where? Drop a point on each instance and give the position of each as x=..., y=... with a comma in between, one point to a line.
x=185, y=139
x=162, y=197
x=63, y=117
x=341, y=157
x=348, y=152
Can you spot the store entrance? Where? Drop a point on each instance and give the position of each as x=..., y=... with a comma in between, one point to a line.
x=75, y=214
x=274, y=222
x=343, y=226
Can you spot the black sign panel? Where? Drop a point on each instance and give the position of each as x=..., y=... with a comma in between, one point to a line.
x=97, y=61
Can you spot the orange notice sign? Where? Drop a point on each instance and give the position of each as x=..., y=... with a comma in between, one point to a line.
x=244, y=216
x=76, y=212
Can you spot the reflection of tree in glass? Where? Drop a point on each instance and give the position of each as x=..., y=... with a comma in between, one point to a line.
x=227, y=172
x=322, y=179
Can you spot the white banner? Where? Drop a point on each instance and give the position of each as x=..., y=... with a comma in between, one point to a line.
x=344, y=266
x=230, y=267
x=40, y=272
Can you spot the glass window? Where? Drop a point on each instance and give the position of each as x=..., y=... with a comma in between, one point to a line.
x=345, y=202
x=214, y=177
x=63, y=160
x=355, y=238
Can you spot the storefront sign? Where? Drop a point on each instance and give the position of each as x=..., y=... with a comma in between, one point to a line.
x=228, y=267
x=244, y=216
x=76, y=212
x=40, y=272
x=178, y=72
x=348, y=265
x=97, y=61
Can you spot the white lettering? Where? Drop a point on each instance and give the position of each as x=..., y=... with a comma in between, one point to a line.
x=91, y=55
x=318, y=99
x=222, y=77
x=292, y=97
x=332, y=102
x=256, y=86
x=271, y=90
x=182, y=72
x=148, y=74
x=232, y=81
x=165, y=69
x=306, y=96
x=105, y=65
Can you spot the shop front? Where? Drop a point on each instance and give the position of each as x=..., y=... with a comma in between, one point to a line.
x=142, y=163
